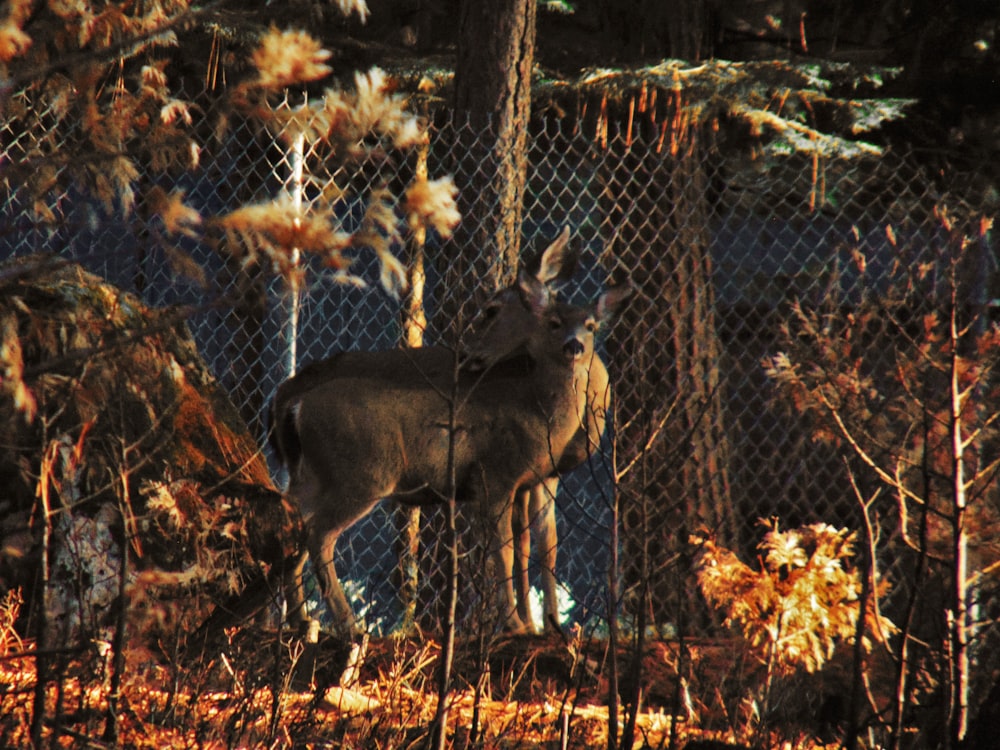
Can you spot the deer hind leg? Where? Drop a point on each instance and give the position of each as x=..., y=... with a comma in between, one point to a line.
x=542, y=512
x=327, y=514
x=302, y=488
x=321, y=549
x=295, y=593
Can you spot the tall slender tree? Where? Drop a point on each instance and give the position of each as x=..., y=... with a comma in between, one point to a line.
x=669, y=401
x=496, y=52
x=492, y=97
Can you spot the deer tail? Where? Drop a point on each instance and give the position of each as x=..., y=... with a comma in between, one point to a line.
x=283, y=435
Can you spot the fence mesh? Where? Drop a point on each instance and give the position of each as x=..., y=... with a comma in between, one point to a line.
x=719, y=245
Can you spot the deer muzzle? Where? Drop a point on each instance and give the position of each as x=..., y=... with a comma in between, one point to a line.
x=573, y=349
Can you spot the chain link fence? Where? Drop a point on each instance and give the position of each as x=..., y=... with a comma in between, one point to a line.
x=719, y=244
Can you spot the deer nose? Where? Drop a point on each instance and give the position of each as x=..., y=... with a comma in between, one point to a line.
x=573, y=348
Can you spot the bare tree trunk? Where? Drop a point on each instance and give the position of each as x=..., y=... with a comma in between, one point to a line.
x=959, y=620
x=408, y=517
x=492, y=108
x=491, y=114
x=666, y=352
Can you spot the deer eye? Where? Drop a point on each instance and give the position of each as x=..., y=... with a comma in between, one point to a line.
x=555, y=324
x=591, y=325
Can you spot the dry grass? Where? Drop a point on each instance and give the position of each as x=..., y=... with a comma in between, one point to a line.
x=532, y=692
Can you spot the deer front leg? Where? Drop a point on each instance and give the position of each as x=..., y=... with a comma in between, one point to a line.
x=522, y=550
x=543, y=523
x=502, y=559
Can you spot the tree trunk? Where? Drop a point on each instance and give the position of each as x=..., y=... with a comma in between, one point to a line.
x=495, y=57
x=669, y=405
x=407, y=518
x=492, y=106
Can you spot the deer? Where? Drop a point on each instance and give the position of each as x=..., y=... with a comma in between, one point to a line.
x=534, y=514
x=505, y=317
x=361, y=427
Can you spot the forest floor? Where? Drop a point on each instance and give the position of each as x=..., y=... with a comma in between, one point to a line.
x=262, y=689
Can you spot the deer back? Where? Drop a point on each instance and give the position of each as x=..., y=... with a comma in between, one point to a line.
x=384, y=430
x=500, y=332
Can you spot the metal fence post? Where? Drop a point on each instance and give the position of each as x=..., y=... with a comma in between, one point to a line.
x=294, y=187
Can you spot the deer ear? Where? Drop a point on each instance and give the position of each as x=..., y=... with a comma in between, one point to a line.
x=534, y=293
x=610, y=303
x=558, y=262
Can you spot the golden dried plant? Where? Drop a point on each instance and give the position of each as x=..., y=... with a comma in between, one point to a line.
x=800, y=605
x=288, y=58
x=93, y=84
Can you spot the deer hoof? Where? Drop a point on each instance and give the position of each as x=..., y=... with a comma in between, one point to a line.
x=515, y=626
